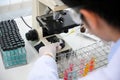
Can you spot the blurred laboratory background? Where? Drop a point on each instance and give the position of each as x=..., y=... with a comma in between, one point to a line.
x=10, y=9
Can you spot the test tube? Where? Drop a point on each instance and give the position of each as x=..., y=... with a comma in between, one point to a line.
x=74, y=75
x=82, y=63
x=92, y=64
x=70, y=75
x=86, y=69
x=66, y=74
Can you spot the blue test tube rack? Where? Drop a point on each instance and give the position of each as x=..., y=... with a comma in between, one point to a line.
x=14, y=58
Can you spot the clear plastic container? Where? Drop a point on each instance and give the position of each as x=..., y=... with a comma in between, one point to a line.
x=15, y=57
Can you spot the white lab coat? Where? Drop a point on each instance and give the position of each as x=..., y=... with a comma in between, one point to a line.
x=45, y=68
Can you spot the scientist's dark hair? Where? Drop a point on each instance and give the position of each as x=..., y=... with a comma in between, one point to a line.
x=109, y=10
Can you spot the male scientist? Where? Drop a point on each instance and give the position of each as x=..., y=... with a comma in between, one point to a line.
x=102, y=18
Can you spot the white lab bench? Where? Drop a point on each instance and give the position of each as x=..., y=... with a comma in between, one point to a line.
x=21, y=72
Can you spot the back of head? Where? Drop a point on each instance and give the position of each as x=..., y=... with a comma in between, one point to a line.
x=106, y=9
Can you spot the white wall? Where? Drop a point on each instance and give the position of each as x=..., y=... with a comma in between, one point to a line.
x=12, y=5
x=9, y=2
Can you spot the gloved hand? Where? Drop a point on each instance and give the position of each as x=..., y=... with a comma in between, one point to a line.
x=50, y=50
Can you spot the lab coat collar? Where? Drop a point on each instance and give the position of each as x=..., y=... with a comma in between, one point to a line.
x=114, y=49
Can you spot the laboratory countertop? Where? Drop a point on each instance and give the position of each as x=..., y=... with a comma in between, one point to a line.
x=21, y=73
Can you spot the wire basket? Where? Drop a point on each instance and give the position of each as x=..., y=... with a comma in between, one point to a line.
x=79, y=63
